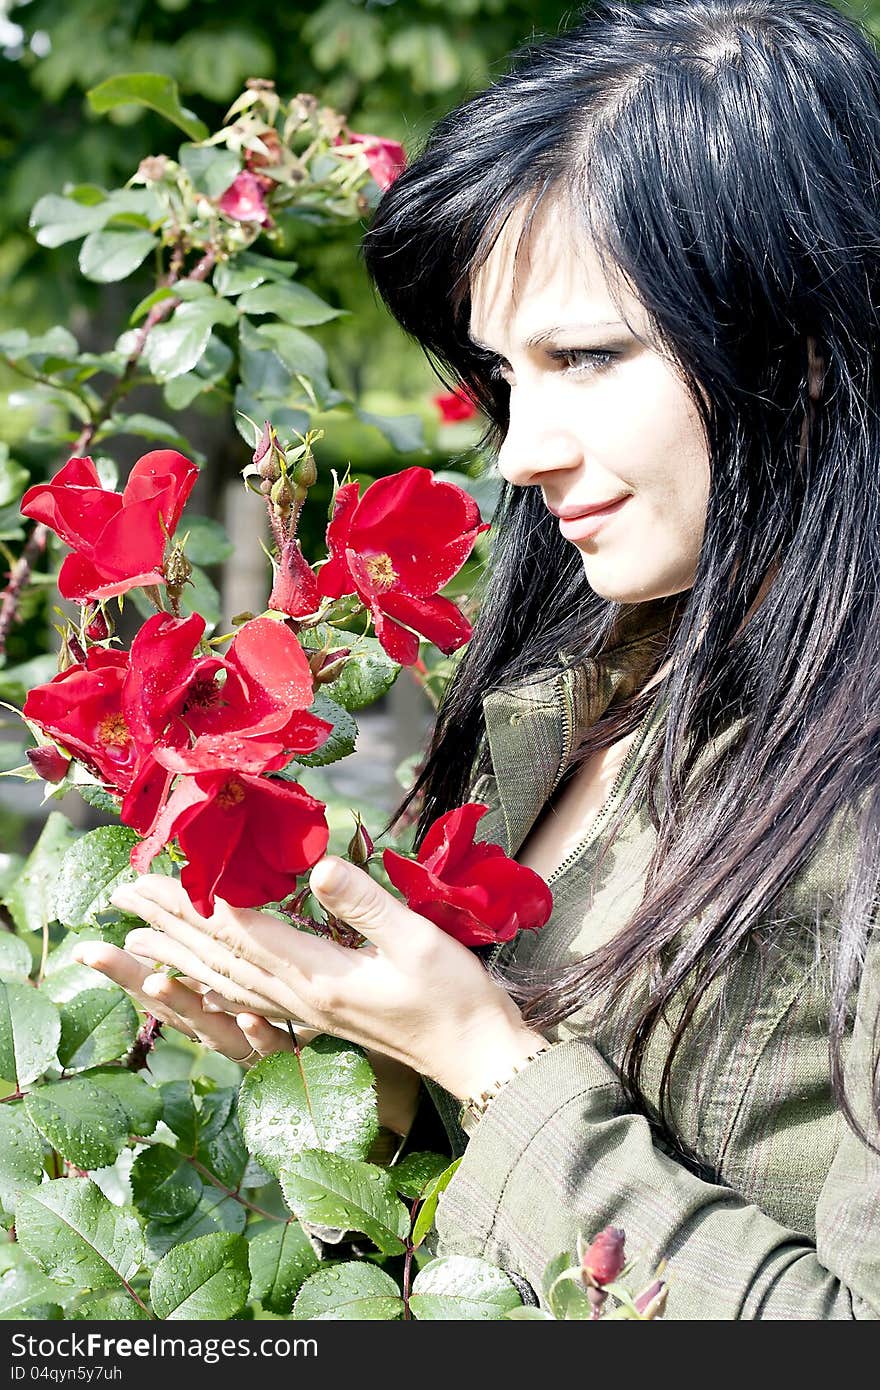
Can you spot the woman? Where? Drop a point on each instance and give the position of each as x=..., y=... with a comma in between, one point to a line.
x=650, y=251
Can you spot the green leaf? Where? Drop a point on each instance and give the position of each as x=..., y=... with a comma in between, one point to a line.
x=405, y=433
x=29, y=900
x=90, y=871
x=428, y=1209
x=114, y=253
x=207, y=542
x=224, y=1153
x=97, y=1026
x=341, y=741
x=164, y=1185
x=25, y=1292
x=214, y=1211
x=175, y=346
x=298, y=351
x=526, y=1313
x=202, y=596
x=116, y=1306
x=15, y=958
x=149, y=427
x=416, y=1171
x=141, y=310
x=21, y=1155
x=349, y=1292
x=78, y=1236
x=141, y=1102
x=248, y=270
x=280, y=1259
x=323, y=1099
x=291, y=301
x=59, y=220
x=84, y=1122
x=13, y=478
x=179, y=1112
x=29, y=1033
x=147, y=89
x=458, y=1286
x=330, y=1190
x=368, y=672
x=206, y=1278
x=212, y=170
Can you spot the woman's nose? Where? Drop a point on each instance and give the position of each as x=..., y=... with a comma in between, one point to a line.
x=527, y=456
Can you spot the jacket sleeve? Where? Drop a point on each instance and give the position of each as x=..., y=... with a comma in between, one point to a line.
x=557, y=1154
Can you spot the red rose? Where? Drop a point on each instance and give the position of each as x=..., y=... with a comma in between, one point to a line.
x=246, y=838
x=385, y=158
x=395, y=547
x=117, y=539
x=454, y=406
x=82, y=708
x=244, y=199
x=472, y=890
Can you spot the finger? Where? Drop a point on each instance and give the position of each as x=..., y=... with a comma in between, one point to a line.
x=220, y=1031
x=351, y=894
x=251, y=936
x=237, y=981
x=262, y=1037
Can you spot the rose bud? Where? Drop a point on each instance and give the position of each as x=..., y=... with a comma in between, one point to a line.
x=360, y=846
x=604, y=1258
x=327, y=666
x=49, y=762
x=651, y=1302
x=98, y=629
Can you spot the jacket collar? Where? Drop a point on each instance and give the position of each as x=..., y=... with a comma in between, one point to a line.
x=532, y=727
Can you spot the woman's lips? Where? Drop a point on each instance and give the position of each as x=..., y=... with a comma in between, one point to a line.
x=580, y=528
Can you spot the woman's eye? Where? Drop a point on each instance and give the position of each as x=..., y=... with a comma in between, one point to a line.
x=576, y=361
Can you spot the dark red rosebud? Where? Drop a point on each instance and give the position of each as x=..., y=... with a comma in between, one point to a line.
x=49, y=762
x=295, y=588
x=328, y=666
x=360, y=846
x=651, y=1302
x=74, y=646
x=98, y=629
x=604, y=1258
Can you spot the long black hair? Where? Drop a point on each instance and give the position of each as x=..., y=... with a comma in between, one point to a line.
x=724, y=155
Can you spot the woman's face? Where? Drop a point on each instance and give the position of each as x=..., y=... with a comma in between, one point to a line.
x=595, y=414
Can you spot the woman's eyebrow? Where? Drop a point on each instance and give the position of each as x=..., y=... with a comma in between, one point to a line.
x=546, y=334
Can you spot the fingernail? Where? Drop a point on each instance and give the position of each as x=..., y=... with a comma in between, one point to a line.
x=87, y=953
x=122, y=897
x=153, y=985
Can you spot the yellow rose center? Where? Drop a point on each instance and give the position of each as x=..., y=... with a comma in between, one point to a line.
x=231, y=794
x=113, y=732
x=381, y=570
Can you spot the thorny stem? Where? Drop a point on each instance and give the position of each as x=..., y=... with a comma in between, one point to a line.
x=35, y=545
x=407, y=1263
x=228, y=1191
x=144, y=1043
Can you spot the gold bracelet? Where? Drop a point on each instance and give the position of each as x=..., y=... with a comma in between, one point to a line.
x=474, y=1108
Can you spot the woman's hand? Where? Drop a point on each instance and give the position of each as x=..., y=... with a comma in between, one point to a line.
x=198, y=1013
x=412, y=993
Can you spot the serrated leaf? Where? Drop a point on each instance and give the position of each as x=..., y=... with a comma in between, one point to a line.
x=21, y=1155
x=414, y=1173
x=147, y=89
x=430, y=1198
x=25, y=1291
x=330, y=1190
x=115, y=1306
x=325, y=1098
x=29, y=1032
x=281, y=1259
x=15, y=958
x=248, y=270
x=368, y=673
x=90, y=871
x=291, y=301
x=212, y=170
x=78, y=1236
x=85, y=1123
x=206, y=1278
x=29, y=899
x=114, y=253
x=179, y=1112
x=141, y=1102
x=164, y=1185
x=214, y=1211
x=177, y=345
x=343, y=738
x=224, y=1153
x=97, y=1026
x=464, y=1288
x=349, y=1292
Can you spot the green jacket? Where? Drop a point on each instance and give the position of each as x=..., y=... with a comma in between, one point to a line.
x=776, y=1211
